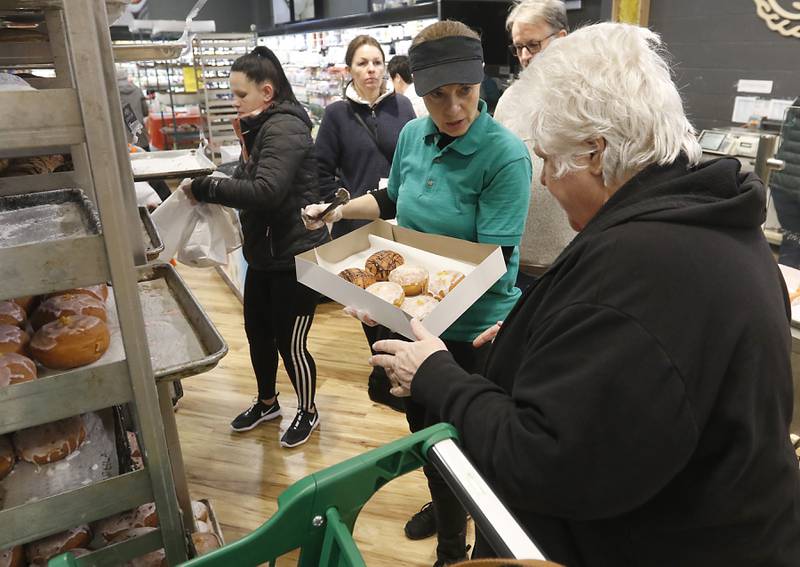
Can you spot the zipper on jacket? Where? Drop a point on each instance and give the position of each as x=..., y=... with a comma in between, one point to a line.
x=269, y=239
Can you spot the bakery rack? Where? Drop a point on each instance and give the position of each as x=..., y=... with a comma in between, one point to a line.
x=214, y=53
x=93, y=232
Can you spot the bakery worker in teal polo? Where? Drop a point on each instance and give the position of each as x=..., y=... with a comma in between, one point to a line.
x=457, y=173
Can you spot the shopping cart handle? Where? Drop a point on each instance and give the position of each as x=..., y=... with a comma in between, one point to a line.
x=495, y=522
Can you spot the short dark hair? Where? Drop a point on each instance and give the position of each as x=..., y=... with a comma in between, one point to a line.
x=398, y=65
x=261, y=65
x=359, y=41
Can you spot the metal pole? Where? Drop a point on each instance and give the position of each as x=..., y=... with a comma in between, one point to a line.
x=491, y=516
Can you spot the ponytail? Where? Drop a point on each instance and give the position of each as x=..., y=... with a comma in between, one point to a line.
x=261, y=65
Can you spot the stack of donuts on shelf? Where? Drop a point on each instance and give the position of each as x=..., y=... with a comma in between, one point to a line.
x=61, y=330
x=409, y=287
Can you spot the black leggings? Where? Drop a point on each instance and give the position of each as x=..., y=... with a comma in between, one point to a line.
x=451, y=519
x=278, y=312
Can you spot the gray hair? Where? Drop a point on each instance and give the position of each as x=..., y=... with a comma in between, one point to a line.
x=608, y=81
x=551, y=12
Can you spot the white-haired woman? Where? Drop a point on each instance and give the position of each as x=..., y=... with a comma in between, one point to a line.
x=636, y=403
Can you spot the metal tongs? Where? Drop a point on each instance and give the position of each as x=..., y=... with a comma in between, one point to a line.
x=341, y=197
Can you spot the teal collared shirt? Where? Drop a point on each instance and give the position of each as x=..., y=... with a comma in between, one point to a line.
x=477, y=188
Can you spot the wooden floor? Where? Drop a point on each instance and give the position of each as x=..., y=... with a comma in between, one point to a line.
x=243, y=473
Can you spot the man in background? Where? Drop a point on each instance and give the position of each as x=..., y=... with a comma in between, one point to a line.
x=400, y=73
x=533, y=25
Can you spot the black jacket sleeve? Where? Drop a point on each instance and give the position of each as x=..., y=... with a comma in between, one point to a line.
x=597, y=421
x=387, y=207
x=284, y=144
x=328, y=149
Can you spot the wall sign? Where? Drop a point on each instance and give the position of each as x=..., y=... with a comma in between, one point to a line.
x=782, y=16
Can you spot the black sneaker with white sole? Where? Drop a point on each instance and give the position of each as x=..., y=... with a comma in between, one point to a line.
x=300, y=430
x=255, y=414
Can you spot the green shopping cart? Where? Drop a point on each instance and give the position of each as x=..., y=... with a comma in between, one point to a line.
x=317, y=514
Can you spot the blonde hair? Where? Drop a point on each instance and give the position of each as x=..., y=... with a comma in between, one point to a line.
x=445, y=28
x=609, y=81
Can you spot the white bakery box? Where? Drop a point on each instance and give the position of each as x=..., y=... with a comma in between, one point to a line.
x=481, y=264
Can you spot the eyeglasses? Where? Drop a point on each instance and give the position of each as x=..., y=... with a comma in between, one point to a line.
x=533, y=47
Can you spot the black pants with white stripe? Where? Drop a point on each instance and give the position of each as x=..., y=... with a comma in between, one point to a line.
x=278, y=312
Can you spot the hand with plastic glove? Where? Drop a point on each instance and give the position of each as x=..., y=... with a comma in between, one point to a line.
x=403, y=358
x=186, y=187
x=361, y=315
x=311, y=215
x=487, y=336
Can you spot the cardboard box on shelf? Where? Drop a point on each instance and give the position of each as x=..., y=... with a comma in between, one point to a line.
x=482, y=265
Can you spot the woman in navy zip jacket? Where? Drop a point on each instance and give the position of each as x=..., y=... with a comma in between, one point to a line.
x=355, y=146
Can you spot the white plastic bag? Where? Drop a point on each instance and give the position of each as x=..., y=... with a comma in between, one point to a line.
x=199, y=235
x=146, y=195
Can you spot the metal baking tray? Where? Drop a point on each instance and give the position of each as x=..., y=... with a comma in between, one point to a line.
x=182, y=339
x=44, y=216
x=95, y=460
x=152, y=240
x=170, y=164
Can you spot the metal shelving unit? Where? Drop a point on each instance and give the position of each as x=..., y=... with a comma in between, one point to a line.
x=79, y=113
x=214, y=54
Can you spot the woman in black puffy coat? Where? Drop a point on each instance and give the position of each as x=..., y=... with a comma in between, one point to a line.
x=276, y=176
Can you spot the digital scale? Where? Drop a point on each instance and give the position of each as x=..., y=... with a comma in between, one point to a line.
x=729, y=142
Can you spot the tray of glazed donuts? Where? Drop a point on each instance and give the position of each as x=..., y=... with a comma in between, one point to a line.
x=82, y=540
x=53, y=333
x=395, y=274
x=48, y=215
x=56, y=457
x=153, y=246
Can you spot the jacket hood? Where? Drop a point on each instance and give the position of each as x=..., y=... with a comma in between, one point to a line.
x=352, y=94
x=255, y=122
x=713, y=194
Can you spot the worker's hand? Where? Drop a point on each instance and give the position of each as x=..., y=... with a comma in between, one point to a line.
x=186, y=187
x=404, y=358
x=361, y=315
x=488, y=335
x=311, y=216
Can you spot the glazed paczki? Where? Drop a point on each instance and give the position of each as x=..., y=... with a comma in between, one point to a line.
x=443, y=282
x=51, y=442
x=15, y=369
x=12, y=314
x=388, y=291
x=70, y=341
x=413, y=279
x=68, y=304
x=13, y=339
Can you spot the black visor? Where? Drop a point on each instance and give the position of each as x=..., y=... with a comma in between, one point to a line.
x=446, y=61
